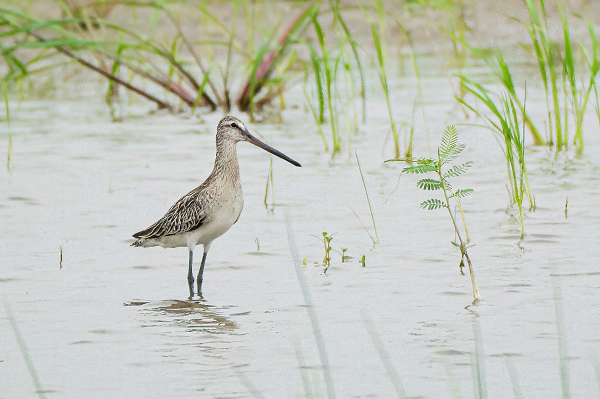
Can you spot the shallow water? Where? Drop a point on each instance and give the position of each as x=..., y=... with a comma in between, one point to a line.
x=114, y=321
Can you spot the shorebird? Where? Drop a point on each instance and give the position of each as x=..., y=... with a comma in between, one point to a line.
x=208, y=211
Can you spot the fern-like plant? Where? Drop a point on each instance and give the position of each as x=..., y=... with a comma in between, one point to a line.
x=448, y=150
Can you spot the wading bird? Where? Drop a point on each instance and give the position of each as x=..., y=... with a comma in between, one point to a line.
x=208, y=211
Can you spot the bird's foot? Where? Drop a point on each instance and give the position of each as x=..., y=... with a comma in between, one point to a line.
x=193, y=297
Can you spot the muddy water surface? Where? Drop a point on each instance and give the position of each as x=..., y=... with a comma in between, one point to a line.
x=114, y=321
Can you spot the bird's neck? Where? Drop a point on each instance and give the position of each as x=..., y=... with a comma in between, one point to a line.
x=226, y=161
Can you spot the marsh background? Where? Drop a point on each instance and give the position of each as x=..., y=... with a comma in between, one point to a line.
x=89, y=162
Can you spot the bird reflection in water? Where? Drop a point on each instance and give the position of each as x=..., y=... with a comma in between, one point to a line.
x=190, y=314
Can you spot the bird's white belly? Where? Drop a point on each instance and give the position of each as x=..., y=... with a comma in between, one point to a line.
x=222, y=217
x=219, y=224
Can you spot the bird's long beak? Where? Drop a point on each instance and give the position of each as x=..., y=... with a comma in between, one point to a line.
x=251, y=139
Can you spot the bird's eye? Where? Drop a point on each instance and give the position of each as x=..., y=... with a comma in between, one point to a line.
x=235, y=125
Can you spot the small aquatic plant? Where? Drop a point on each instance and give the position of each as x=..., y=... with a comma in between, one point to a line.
x=344, y=258
x=343, y=254
x=325, y=238
x=327, y=245
x=448, y=150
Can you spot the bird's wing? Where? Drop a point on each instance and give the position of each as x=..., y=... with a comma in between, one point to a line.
x=187, y=214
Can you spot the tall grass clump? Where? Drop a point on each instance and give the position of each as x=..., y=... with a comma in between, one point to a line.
x=336, y=65
x=328, y=70
x=562, y=74
x=579, y=92
x=506, y=126
x=548, y=64
x=338, y=75
x=345, y=32
x=567, y=83
x=346, y=92
x=501, y=70
x=447, y=151
x=147, y=61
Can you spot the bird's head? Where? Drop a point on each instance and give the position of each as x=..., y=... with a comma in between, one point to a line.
x=231, y=128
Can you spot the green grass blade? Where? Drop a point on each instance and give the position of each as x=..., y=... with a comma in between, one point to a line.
x=338, y=17
x=478, y=364
x=388, y=365
x=25, y=352
x=383, y=79
x=561, y=334
x=368, y=200
x=316, y=117
x=316, y=64
x=328, y=84
x=9, y=150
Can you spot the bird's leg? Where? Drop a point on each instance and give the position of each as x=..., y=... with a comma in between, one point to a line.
x=201, y=272
x=191, y=275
